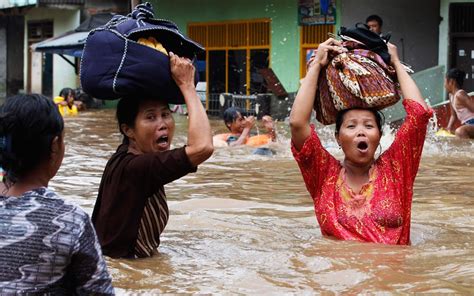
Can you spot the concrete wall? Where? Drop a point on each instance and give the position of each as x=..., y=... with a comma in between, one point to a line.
x=11, y=59
x=284, y=27
x=118, y=6
x=64, y=20
x=15, y=55
x=414, y=26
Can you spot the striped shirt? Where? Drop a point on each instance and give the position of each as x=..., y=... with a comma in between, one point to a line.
x=152, y=224
x=131, y=211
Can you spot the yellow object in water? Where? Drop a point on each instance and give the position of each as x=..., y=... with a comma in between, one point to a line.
x=153, y=43
x=443, y=133
x=65, y=110
x=259, y=140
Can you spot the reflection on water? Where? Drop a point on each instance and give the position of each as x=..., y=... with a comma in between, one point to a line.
x=245, y=223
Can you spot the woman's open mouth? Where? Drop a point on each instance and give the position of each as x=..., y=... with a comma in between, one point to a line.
x=362, y=146
x=163, y=142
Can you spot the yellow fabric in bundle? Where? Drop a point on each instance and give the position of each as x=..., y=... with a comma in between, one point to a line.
x=153, y=43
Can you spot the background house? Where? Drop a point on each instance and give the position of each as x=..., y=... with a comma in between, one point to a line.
x=25, y=22
x=244, y=38
x=241, y=36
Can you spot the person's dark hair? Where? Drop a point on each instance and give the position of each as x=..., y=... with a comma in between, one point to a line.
x=28, y=125
x=231, y=114
x=376, y=18
x=458, y=76
x=66, y=91
x=379, y=118
x=127, y=111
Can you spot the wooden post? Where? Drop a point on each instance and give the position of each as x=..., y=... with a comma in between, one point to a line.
x=134, y=3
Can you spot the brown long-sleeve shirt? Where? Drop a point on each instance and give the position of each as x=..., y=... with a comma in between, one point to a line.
x=128, y=183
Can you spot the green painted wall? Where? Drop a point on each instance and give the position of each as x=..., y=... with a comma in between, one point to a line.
x=284, y=26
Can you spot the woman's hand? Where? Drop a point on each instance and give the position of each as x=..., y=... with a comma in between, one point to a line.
x=199, y=146
x=392, y=50
x=182, y=70
x=249, y=122
x=302, y=107
x=268, y=122
x=269, y=126
x=321, y=55
x=408, y=86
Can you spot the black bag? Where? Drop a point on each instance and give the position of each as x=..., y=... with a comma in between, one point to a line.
x=369, y=39
x=115, y=65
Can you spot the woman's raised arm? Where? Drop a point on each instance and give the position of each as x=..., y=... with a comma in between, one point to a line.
x=408, y=86
x=199, y=146
x=302, y=107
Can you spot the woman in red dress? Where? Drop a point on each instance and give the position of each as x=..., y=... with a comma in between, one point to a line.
x=360, y=198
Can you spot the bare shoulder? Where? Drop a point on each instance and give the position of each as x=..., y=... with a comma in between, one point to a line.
x=462, y=95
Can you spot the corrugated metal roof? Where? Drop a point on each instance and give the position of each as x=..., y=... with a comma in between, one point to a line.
x=72, y=42
x=16, y=3
x=5, y=4
x=61, y=2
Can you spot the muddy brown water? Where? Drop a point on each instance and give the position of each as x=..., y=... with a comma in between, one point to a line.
x=245, y=223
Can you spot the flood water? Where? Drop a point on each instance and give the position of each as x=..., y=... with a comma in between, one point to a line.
x=245, y=223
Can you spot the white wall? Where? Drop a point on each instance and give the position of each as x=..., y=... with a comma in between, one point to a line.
x=63, y=20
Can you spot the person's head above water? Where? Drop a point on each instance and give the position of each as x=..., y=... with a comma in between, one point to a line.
x=147, y=125
x=375, y=23
x=68, y=94
x=454, y=79
x=358, y=133
x=234, y=120
x=31, y=136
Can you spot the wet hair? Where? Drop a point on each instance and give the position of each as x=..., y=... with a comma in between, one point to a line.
x=458, y=76
x=379, y=118
x=66, y=91
x=231, y=114
x=376, y=18
x=28, y=125
x=127, y=111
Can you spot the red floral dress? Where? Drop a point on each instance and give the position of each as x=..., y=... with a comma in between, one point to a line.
x=381, y=211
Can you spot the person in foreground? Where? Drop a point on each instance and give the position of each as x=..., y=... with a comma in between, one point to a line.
x=360, y=198
x=462, y=105
x=47, y=245
x=240, y=128
x=131, y=209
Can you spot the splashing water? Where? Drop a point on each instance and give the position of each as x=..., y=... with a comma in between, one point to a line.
x=245, y=224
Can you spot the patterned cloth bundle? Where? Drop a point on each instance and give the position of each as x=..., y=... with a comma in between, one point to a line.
x=359, y=78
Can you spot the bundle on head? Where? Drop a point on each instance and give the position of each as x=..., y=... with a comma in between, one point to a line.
x=360, y=77
x=128, y=57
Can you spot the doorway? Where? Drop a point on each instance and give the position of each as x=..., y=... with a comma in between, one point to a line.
x=462, y=41
x=40, y=65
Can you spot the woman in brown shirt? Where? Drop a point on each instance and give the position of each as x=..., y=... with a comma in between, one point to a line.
x=131, y=210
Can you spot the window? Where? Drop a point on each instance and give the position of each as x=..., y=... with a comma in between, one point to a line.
x=235, y=51
x=310, y=38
